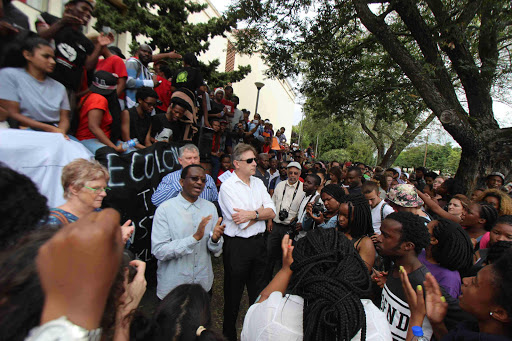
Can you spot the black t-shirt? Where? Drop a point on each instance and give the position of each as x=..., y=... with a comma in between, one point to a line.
x=187, y=77
x=160, y=122
x=139, y=127
x=71, y=50
x=216, y=107
x=395, y=306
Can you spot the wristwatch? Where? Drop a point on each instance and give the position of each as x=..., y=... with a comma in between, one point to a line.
x=257, y=215
x=63, y=329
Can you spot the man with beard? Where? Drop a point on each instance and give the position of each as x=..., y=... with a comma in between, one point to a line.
x=138, y=71
x=287, y=198
x=186, y=229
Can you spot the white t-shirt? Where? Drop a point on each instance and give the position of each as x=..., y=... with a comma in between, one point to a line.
x=39, y=100
x=280, y=318
x=378, y=215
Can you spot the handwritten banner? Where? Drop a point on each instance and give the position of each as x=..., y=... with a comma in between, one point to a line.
x=133, y=178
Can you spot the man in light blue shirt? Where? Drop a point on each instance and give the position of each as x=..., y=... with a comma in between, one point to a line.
x=186, y=229
x=170, y=186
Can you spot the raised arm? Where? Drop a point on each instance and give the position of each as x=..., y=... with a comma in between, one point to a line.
x=282, y=278
x=434, y=206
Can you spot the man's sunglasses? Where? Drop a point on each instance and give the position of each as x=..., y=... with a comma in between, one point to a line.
x=249, y=161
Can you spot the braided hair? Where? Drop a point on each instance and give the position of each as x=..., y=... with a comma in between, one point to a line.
x=414, y=229
x=334, y=191
x=178, y=317
x=489, y=213
x=454, y=249
x=359, y=216
x=497, y=250
x=332, y=278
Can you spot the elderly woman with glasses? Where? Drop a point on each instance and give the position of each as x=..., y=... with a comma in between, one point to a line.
x=85, y=186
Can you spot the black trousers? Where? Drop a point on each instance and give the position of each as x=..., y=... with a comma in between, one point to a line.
x=274, y=252
x=244, y=265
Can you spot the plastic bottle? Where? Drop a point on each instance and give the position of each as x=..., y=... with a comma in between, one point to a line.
x=130, y=143
x=418, y=334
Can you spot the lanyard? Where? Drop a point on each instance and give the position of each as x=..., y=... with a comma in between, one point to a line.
x=293, y=198
x=312, y=196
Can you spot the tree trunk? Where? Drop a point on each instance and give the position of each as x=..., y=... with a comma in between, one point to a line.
x=476, y=131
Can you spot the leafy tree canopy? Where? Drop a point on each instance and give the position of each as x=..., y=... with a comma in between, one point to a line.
x=454, y=54
x=164, y=25
x=442, y=158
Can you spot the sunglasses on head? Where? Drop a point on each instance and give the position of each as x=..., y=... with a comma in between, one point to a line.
x=251, y=160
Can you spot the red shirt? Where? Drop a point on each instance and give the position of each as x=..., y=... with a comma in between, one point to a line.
x=229, y=104
x=216, y=143
x=218, y=183
x=93, y=101
x=266, y=148
x=113, y=64
x=164, y=93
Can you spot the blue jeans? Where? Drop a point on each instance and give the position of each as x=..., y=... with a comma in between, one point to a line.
x=93, y=145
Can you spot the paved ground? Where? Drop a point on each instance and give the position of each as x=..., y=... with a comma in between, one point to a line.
x=149, y=301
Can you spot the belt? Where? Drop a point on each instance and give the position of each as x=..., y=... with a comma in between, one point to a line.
x=259, y=235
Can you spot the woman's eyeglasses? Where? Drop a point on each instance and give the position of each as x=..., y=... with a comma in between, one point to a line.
x=101, y=189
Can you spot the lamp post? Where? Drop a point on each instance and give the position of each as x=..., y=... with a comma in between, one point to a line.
x=259, y=85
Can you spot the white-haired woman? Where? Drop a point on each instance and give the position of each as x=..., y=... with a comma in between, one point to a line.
x=85, y=186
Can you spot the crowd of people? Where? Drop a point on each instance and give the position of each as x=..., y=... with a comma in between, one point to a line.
x=362, y=252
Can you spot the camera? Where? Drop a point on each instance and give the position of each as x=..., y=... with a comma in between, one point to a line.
x=283, y=214
x=318, y=208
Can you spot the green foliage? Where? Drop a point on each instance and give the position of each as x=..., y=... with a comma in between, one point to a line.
x=165, y=25
x=334, y=136
x=441, y=158
x=393, y=59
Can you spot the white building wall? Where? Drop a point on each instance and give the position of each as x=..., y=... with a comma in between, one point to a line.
x=277, y=99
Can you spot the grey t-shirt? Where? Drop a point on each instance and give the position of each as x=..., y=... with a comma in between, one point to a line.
x=40, y=101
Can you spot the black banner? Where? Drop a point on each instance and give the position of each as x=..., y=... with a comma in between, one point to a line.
x=133, y=178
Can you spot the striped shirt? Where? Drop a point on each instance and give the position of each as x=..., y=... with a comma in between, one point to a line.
x=170, y=187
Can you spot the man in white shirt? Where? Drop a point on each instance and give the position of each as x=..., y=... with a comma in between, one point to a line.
x=380, y=209
x=287, y=199
x=186, y=229
x=246, y=205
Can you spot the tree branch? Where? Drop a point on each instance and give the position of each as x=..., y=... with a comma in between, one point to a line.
x=458, y=126
x=456, y=48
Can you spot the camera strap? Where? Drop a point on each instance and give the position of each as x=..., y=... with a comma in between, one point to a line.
x=293, y=198
x=312, y=196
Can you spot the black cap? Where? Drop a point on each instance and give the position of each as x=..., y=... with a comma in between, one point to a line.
x=104, y=83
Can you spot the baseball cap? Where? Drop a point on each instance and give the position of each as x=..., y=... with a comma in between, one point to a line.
x=294, y=164
x=104, y=83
